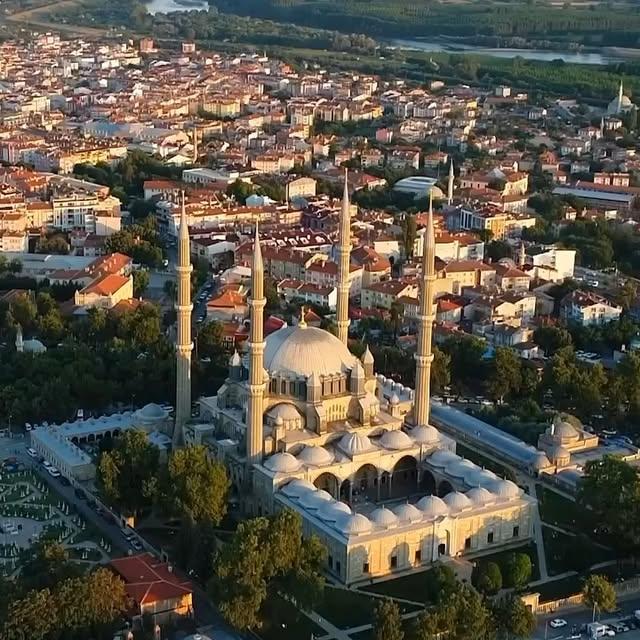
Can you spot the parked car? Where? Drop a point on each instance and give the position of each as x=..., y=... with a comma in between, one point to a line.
x=558, y=623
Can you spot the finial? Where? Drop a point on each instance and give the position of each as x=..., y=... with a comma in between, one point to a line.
x=302, y=323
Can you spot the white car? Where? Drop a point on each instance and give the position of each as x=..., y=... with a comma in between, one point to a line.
x=32, y=453
x=558, y=623
x=53, y=472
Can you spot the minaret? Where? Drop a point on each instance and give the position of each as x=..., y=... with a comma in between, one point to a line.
x=450, y=184
x=344, y=258
x=19, y=339
x=256, y=358
x=620, y=96
x=184, y=345
x=424, y=356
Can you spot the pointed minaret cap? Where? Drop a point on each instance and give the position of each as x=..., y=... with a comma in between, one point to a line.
x=451, y=167
x=184, y=231
x=257, y=251
x=367, y=356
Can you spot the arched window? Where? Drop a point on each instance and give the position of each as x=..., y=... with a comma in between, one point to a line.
x=283, y=387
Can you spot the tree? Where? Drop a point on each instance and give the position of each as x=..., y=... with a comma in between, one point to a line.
x=514, y=619
x=440, y=584
x=550, y=339
x=409, y=234
x=517, y=570
x=56, y=244
x=267, y=557
x=44, y=565
x=34, y=616
x=487, y=578
x=210, y=341
x=498, y=249
x=387, y=624
x=140, y=282
x=505, y=374
x=240, y=190
x=440, y=371
x=598, y=593
x=126, y=475
x=196, y=486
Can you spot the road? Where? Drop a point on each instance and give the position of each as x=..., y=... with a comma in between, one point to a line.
x=580, y=616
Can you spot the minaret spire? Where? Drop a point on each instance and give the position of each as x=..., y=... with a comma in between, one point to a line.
x=256, y=358
x=344, y=255
x=184, y=345
x=620, y=96
x=424, y=356
x=450, y=184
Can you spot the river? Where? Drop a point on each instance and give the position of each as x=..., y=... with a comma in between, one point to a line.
x=598, y=58
x=528, y=54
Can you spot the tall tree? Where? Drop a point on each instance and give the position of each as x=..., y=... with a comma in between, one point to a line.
x=505, y=374
x=513, y=618
x=599, y=594
x=196, y=486
x=517, y=570
x=387, y=623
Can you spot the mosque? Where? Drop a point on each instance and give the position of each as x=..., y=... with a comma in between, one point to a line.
x=621, y=104
x=301, y=423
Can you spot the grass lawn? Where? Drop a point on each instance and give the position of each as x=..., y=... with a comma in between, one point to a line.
x=571, y=553
x=410, y=587
x=562, y=512
x=284, y=622
x=345, y=608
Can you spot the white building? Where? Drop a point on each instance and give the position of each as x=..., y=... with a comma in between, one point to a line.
x=587, y=308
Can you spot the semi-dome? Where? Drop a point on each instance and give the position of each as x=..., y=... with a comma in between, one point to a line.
x=540, y=461
x=433, y=506
x=395, y=440
x=315, y=456
x=313, y=500
x=282, y=463
x=504, y=489
x=286, y=414
x=355, y=443
x=354, y=524
x=408, y=513
x=558, y=453
x=303, y=350
x=425, y=434
x=297, y=487
x=383, y=517
x=480, y=496
x=442, y=457
x=332, y=511
x=457, y=501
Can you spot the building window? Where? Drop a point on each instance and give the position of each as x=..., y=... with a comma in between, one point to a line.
x=442, y=549
x=338, y=568
x=490, y=537
x=330, y=561
x=418, y=557
x=467, y=543
x=283, y=387
x=365, y=567
x=516, y=531
x=394, y=562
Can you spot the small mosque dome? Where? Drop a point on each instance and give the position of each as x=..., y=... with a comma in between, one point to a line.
x=457, y=501
x=558, y=454
x=282, y=463
x=408, y=513
x=288, y=413
x=394, y=399
x=563, y=430
x=354, y=525
x=313, y=500
x=355, y=443
x=433, y=506
x=480, y=496
x=425, y=434
x=442, y=458
x=297, y=488
x=504, y=489
x=315, y=456
x=332, y=511
x=383, y=517
x=540, y=461
x=395, y=440
x=460, y=468
x=153, y=411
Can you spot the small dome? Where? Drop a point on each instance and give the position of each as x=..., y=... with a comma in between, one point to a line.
x=286, y=414
x=282, y=463
x=504, y=489
x=425, y=434
x=460, y=468
x=457, y=501
x=355, y=443
x=315, y=456
x=298, y=487
x=383, y=517
x=408, y=513
x=558, y=453
x=153, y=411
x=394, y=399
x=395, y=440
x=563, y=429
x=354, y=525
x=332, y=511
x=442, y=458
x=540, y=461
x=313, y=500
x=433, y=506
x=480, y=496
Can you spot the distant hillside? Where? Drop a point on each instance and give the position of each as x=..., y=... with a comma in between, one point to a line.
x=595, y=25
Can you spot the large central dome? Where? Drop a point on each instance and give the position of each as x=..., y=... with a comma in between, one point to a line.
x=303, y=350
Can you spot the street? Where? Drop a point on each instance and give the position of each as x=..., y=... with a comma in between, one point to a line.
x=580, y=616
